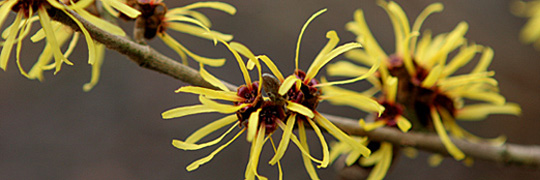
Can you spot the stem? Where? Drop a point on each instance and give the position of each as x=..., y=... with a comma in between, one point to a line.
x=149, y=58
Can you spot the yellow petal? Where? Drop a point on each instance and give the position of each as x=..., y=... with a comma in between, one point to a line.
x=211, y=78
x=307, y=162
x=176, y=46
x=338, y=148
x=453, y=39
x=450, y=146
x=210, y=93
x=345, y=69
x=279, y=164
x=214, y=5
x=355, y=100
x=8, y=45
x=192, y=146
x=374, y=125
x=432, y=8
x=127, y=10
x=89, y=41
x=253, y=122
x=333, y=40
x=492, y=97
x=316, y=66
x=221, y=108
x=287, y=84
x=391, y=86
x=299, y=108
x=381, y=168
x=360, y=28
x=242, y=49
x=302, y=33
x=485, y=60
x=371, y=71
x=467, y=79
x=271, y=66
x=198, y=31
x=432, y=77
x=241, y=63
x=110, y=10
x=304, y=151
x=481, y=111
x=285, y=138
x=195, y=165
x=324, y=145
x=463, y=57
x=24, y=28
x=51, y=39
x=195, y=14
x=5, y=8
x=103, y=24
x=72, y=43
x=255, y=153
x=340, y=135
x=352, y=157
x=186, y=110
x=210, y=128
x=96, y=68
x=403, y=124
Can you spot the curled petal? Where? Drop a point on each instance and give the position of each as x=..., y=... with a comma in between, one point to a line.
x=192, y=146
x=195, y=165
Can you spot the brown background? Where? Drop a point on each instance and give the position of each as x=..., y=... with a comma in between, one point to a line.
x=54, y=130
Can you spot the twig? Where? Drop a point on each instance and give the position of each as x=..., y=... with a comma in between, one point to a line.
x=149, y=58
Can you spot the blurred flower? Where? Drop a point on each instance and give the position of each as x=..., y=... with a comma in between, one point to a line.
x=530, y=34
x=156, y=19
x=426, y=90
x=379, y=161
x=56, y=34
x=300, y=94
x=20, y=28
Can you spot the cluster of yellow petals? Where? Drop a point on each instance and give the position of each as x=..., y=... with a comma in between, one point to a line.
x=430, y=53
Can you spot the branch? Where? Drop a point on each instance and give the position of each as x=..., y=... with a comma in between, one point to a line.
x=149, y=58
x=511, y=154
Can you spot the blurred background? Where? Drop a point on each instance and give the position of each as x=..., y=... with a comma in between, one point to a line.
x=54, y=130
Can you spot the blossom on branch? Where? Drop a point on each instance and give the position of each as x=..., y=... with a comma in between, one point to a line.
x=156, y=18
x=55, y=33
x=430, y=94
x=300, y=94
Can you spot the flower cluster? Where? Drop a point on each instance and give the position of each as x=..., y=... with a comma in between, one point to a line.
x=152, y=18
x=417, y=83
x=289, y=102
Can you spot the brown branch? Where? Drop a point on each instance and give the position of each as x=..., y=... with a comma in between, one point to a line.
x=149, y=58
x=507, y=153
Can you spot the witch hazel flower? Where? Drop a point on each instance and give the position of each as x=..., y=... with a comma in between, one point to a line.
x=430, y=93
x=300, y=94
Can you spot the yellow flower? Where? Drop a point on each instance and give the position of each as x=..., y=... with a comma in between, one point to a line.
x=300, y=94
x=431, y=95
x=531, y=31
x=379, y=162
x=55, y=33
x=248, y=110
x=156, y=19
